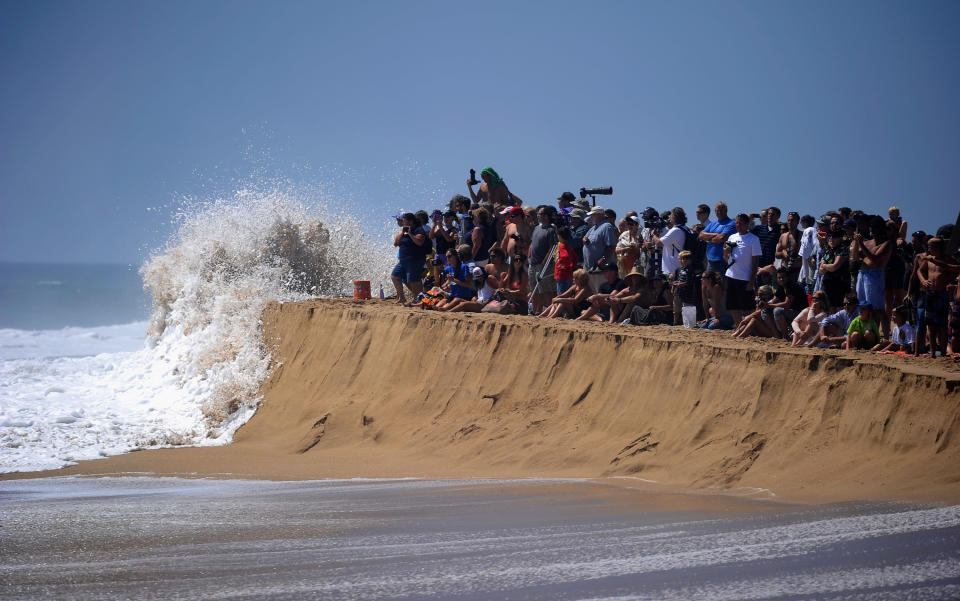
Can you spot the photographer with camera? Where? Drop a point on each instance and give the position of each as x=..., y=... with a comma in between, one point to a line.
x=671, y=245
x=516, y=236
x=742, y=254
x=760, y=321
x=413, y=248
x=649, y=258
x=492, y=189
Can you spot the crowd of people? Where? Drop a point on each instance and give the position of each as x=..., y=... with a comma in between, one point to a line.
x=845, y=279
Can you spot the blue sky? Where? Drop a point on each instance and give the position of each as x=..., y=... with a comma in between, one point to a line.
x=111, y=108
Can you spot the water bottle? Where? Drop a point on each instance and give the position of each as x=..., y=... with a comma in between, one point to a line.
x=381, y=291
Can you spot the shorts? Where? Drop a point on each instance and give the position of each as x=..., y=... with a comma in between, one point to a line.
x=738, y=299
x=936, y=306
x=717, y=266
x=563, y=286
x=895, y=273
x=548, y=285
x=870, y=288
x=409, y=270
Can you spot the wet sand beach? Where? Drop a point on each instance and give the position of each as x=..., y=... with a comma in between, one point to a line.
x=169, y=538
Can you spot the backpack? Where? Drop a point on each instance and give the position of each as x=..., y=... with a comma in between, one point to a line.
x=692, y=243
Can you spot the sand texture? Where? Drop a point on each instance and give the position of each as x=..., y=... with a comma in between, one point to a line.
x=369, y=389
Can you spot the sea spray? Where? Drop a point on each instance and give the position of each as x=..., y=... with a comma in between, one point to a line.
x=227, y=260
x=197, y=377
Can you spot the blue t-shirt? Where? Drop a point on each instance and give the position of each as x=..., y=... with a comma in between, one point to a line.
x=720, y=226
x=463, y=274
x=599, y=237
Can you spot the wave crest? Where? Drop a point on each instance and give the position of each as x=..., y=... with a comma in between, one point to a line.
x=226, y=261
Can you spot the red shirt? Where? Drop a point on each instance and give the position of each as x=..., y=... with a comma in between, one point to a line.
x=566, y=261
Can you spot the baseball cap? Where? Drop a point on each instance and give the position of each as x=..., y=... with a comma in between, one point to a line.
x=477, y=273
x=596, y=211
x=567, y=196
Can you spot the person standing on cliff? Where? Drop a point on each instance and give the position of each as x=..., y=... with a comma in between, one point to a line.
x=742, y=253
x=412, y=245
x=870, y=281
x=715, y=234
x=492, y=189
x=544, y=240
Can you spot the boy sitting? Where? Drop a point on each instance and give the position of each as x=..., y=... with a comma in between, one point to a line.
x=863, y=332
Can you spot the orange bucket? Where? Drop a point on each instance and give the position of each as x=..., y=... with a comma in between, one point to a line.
x=361, y=289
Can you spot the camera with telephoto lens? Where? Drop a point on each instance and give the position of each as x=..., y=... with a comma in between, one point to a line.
x=584, y=192
x=473, y=177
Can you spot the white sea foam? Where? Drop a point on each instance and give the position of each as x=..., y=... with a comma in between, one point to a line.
x=82, y=393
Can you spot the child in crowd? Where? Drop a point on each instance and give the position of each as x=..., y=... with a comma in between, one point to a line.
x=684, y=282
x=903, y=333
x=574, y=301
x=863, y=332
x=566, y=261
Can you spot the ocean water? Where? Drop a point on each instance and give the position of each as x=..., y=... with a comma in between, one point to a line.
x=136, y=538
x=97, y=360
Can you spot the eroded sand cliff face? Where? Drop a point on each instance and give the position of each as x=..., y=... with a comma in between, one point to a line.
x=369, y=389
x=477, y=395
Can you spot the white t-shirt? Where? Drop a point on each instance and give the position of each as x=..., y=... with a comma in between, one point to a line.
x=903, y=335
x=748, y=246
x=672, y=246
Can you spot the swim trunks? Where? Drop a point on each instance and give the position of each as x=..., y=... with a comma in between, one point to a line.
x=936, y=305
x=870, y=288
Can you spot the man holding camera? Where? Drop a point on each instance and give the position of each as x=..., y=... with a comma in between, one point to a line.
x=516, y=236
x=413, y=247
x=742, y=253
x=492, y=189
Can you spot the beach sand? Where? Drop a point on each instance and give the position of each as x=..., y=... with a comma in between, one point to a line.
x=371, y=389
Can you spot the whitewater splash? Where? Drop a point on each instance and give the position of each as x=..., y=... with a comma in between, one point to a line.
x=197, y=377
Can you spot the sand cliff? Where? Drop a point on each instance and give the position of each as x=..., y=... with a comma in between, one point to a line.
x=370, y=389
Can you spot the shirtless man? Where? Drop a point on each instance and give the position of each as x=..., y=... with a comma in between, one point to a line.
x=874, y=253
x=493, y=189
x=935, y=275
x=517, y=235
x=788, y=247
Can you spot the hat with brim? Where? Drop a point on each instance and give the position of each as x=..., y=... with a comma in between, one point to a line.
x=581, y=203
x=865, y=305
x=578, y=214
x=635, y=272
x=596, y=211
